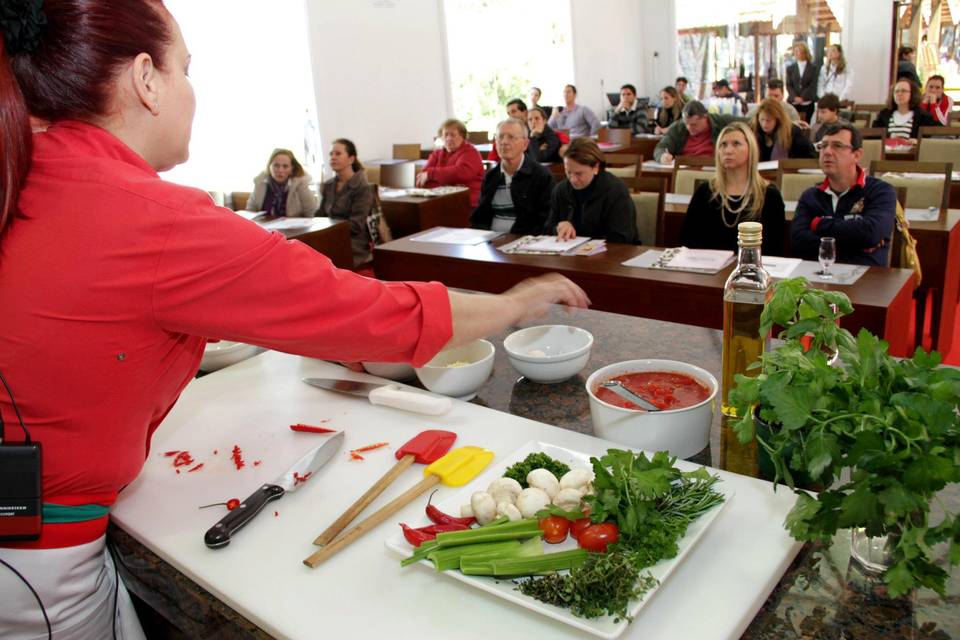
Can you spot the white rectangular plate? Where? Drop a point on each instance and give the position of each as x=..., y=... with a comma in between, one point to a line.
x=604, y=627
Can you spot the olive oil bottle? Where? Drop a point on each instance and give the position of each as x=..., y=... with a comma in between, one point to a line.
x=746, y=291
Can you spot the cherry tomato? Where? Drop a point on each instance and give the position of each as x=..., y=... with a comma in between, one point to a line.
x=596, y=537
x=232, y=504
x=555, y=529
x=577, y=527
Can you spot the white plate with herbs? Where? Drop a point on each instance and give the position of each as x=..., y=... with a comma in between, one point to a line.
x=606, y=626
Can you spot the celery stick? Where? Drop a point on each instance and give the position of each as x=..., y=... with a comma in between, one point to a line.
x=420, y=552
x=523, y=566
x=449, y=558
x=513, y=530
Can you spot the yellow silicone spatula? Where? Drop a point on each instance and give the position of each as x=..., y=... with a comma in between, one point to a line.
x=455, y=469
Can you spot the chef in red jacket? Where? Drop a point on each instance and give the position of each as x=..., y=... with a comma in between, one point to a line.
x=457, y=162
x=112, y=280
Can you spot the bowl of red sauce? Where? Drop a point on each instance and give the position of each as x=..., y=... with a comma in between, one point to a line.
x=685, y=394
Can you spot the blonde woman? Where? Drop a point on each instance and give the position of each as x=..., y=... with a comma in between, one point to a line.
x=736, y=193
x=777, y=137
x=283, y=189
x=802, y=79
x=835, y=77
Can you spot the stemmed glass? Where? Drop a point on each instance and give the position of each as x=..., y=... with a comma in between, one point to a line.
x=827, y=256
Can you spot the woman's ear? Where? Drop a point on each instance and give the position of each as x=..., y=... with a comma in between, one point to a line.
x=145, y=78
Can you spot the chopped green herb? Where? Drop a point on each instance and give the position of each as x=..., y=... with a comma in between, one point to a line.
x=533, y=461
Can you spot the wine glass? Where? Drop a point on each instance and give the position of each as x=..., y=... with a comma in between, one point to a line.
x=827, y=256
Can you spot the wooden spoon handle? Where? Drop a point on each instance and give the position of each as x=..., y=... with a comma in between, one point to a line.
x=385, y=512
x=364, y=501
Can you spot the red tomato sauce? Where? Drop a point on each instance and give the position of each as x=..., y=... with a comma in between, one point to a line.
x=665, y=389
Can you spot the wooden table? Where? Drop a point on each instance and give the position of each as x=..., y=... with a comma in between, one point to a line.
x=938, y=246
x=329, y=237
x=881, y=297
x=408, y=214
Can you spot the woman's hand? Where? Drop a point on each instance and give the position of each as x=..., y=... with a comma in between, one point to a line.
x=565, y=231
x=534, y=296
x=421, y=180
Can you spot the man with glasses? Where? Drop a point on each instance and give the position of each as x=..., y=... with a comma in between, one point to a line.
x=515, y=194
x=856, y=209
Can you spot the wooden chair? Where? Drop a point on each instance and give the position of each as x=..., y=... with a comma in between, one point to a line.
x=952, y=131
x=478, y=137
x=860, y=119
x=406, y=151
x=687, y=169
x=791, y=182
x=648, y=194
x=922, y=192
x=623, y=165
x=238, y=200
x=401, y=174
x=939, y=144
x=615, y=136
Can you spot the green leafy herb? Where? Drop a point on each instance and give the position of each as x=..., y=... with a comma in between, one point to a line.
x=533, y=461
x=603, y=585
x=892, y=423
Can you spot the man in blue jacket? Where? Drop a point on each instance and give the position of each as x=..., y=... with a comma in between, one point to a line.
x=856, y=209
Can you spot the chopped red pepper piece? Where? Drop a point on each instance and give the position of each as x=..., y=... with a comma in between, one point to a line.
x=170, y=454
x=309, y=428
x=256, y=463
x=183, y=458
x=371, y=447
x=237, y=456
x=196, y=468
x=443, y=518
x=215, y=452
x=299, y=479
x=276, y=514
x=355, y=456
x=232, y=504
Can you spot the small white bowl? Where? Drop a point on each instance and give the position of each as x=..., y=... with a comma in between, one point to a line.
x=462, y=381
x=549, y=353
x=217, y=355
x=390, y=370
x=682, y=432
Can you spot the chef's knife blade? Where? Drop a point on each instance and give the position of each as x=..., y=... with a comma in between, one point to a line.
x=219, y=534
x=388, y=395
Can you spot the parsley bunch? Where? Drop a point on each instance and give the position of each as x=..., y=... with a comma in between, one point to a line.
x=892, y=423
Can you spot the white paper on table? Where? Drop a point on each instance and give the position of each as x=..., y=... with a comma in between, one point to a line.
x=779, y=267
x=389, y=192
x=712, y=260
x=550, y=243
x=289, y=223
x=841, y=273
x=448, y=235
x=250, y=215
x=790, y=205
x=919, y=214
x=678, y=198
x=653, y=164
x=768, y=165
x=645, y=260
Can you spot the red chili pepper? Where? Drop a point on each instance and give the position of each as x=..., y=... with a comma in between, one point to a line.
x=309, y=428
x=237, y=456
x=196, y=468
x=371, y=447
x=355, y=456
x=418, y=536
x=443, y=518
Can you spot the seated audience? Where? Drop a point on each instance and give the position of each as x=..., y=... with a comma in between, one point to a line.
x=347, y=196
x=681, y=84
x=694, y=135
x=628, y=114
x=515, y=194
x=457, y=162
x=669, y=111
x=905, y=65
x=777, y=137
x=835, y=77
x=828, y=112
x=283, y=189
x=516, y=108
x=856, y=209
x=535, y=101
x=736, y=193
x=544, y=142
x=775, y=91
x=591, y=202
x=903, y=116
x=802, y=77
x=936, y=102
x=575, y=118
x=721, y=89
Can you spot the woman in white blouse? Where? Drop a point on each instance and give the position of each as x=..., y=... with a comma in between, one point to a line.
x=835, y=77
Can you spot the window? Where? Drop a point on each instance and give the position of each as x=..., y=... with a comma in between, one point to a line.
x=498, y=49
x=250, y=70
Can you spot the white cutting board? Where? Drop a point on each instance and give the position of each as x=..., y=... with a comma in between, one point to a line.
x=715, y=593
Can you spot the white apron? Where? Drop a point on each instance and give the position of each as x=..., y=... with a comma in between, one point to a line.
x=76, y=585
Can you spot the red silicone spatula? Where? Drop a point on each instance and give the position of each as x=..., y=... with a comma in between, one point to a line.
x=424, y=448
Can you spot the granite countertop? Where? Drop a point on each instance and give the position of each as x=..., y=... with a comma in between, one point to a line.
x=822, y=595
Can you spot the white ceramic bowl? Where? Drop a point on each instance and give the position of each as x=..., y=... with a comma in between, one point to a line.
x=682, y=432
x=217, y=355
x=549, y=353
x=390, y=370
x=462, y=381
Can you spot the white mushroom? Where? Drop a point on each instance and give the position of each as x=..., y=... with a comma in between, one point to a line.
x=466, y=511
x=580, y=479
x=505, y=490
x=544, y=480
x=567, y=499
x=531, y=501
x=510, y=510
x=484, y=507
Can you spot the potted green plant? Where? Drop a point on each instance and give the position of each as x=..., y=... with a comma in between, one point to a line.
x=881, y=434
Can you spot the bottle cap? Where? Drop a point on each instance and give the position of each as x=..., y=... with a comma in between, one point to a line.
x=750, y=234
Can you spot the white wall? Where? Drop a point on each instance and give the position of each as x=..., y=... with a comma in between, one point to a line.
x=379, y=71
x=658, y=37
x=866, y=45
